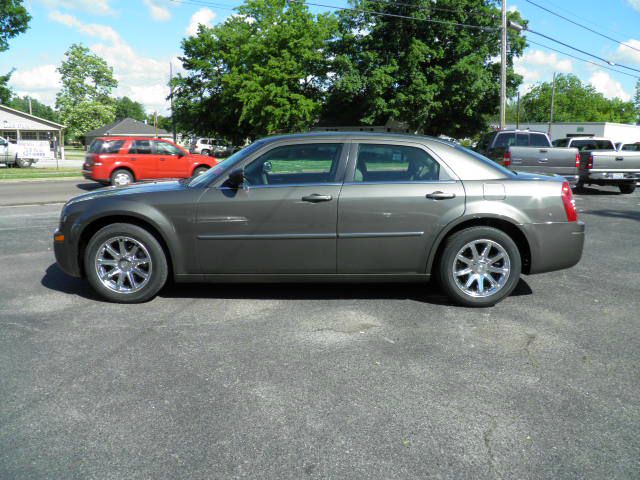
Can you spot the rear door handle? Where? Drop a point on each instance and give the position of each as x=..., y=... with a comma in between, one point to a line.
x=542, y=150
x=619, y=158
x=316, y=198
x=440, y=195
x=133, y=159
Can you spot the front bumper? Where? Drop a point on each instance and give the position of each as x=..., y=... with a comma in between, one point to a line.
x=555, y=246
x=66, y=254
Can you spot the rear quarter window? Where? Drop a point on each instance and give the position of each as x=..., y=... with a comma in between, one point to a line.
x=105, y=146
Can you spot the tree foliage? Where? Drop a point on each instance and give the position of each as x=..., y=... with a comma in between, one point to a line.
x=14, y=20
x=84, y=102
x=435, y=76
x=127, y=108
x=5, y=90
x=574, y=102
x=262, y=71
x=38, y=108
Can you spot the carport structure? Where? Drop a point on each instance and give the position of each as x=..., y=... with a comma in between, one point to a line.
x=20, y=127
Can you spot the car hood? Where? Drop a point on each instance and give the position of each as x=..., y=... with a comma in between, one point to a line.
x=137, y=188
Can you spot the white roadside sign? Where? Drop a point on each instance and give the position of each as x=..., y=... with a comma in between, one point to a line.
x=37, y=149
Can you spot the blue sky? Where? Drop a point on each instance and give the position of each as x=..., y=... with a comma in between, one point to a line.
x=139, y=38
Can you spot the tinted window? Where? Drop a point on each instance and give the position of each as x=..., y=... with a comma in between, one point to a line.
x=295, y=164
x=505, y=140
x=561, y=142
x=584, y=145
x=538, y=140
x=105, y=146
x=522, y=140
x=204, y=141
x=394, y=163
x=164, y=148
x=631, y=147
x=140, y=147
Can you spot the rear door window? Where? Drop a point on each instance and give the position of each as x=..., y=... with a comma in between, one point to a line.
x=505, y=140
x=140, y=147
x=631, y=147
x=164, y=148
x=394, y=163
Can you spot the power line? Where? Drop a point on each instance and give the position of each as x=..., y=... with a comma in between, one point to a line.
x=582, y=51
x=393, y=15
x=581, y=59
x=583, y=26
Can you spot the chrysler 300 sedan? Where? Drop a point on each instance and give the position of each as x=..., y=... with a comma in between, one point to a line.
x=346, y=207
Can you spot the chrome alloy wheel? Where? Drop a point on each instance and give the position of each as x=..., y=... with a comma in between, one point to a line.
x=121, y=179
x=123, y=265
x=481, y=268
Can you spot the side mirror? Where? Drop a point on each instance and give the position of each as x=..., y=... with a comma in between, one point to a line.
x=236, y=178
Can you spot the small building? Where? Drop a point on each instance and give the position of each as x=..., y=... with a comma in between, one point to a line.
x=42, y=138
x=618, y=132
x=127, y=127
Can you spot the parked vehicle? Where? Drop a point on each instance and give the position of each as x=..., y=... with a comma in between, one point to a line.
x=494, y=144
x=123, y=160
x=351, y=207
x=539, y=157
x=610, y=167
x=12, y=154
x=628, y=147
x=585, y=143
x=202, y=146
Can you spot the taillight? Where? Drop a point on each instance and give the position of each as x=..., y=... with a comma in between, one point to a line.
x=577, y=160
x=590, y=162
x=569, y=203
x=506, y=160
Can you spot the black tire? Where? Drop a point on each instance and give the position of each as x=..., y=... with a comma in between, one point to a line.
x=158, y=271
x=205, y=151
x=627, y=187
x=23, y=162
x=447, y=263
x=117, y=177
x=199, y=171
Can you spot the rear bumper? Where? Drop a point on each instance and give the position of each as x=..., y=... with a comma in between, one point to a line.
x=609, y=178
x=555, y=246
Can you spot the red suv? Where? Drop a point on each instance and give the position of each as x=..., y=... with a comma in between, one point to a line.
x=124, y=160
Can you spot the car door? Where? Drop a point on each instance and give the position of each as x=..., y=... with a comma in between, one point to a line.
x=282, y=220
x=396, y=199
x=142, y=159
x=172, y=162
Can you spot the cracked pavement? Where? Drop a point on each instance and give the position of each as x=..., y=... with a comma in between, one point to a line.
x=322, y=381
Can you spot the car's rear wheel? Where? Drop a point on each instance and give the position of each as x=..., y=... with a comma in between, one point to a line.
x=199, y=171
x=627, y=187
x=121, y=177
x=205, y=151
x=125, y=263
x=479, y=266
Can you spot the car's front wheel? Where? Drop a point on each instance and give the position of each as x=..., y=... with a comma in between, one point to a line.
x=479, y=266
x=125, y=263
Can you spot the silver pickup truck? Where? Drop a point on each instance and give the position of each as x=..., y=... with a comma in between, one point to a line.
x=564, y=162
x=602, y=164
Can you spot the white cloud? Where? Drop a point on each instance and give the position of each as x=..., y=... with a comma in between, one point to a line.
x=41, y=82
x=141, y=78
x=606, y=85
x=535, y=65
x=98, y=7
x=635, y=4
x=629, y=55
x=204, y=16
x=157, y=12
x=512, y=8
x=104, y=32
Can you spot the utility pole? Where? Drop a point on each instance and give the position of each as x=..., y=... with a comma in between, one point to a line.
x=173, y=118
x=503, y=69
x=518, y=112
x=553, y=96
x=30, y=110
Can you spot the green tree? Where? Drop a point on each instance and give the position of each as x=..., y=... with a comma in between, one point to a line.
x=260, y=72
x=84, y=102
x=127, y=108
x=636, y=101
x=425, y=70
x=14, y=20
x=38, y=108
x=574, y=102
x=5, y=90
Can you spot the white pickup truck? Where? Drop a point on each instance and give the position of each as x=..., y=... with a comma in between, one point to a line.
x=602, y=164
x=12, y=155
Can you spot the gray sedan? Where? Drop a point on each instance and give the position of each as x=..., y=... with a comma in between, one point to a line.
x=343, y=207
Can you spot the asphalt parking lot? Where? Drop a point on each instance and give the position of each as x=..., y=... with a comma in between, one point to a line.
x=321, y=381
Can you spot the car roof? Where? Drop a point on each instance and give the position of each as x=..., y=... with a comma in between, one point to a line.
x=125, y=137
x=338, y=135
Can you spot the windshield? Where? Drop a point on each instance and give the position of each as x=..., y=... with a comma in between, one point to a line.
x=223, y=166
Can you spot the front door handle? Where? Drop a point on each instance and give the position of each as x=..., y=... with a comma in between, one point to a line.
x=316, y=197
x=619, y=159
x=440, y=195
